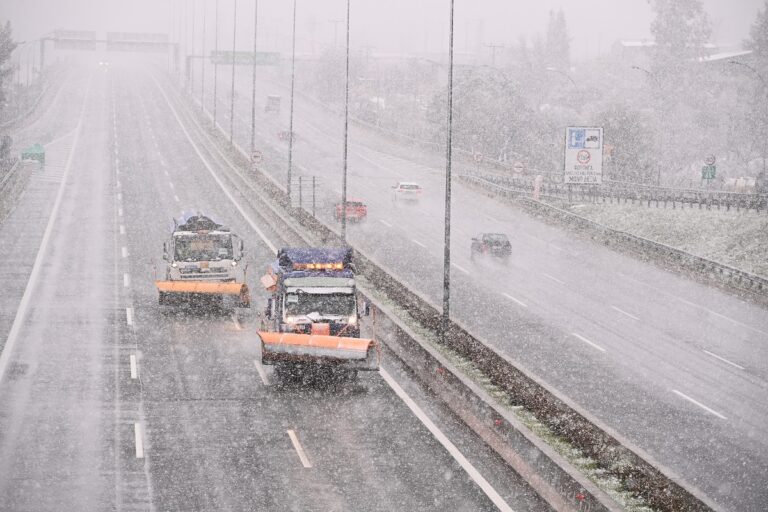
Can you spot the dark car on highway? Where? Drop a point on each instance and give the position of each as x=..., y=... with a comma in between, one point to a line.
x=495, y=244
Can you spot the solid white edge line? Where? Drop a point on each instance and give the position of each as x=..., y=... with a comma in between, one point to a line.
x=721, y=315
x=21, y=312
x=633, y=317
x=724, y=360
x=138, y=440
x=515, y=300
x=385, y=223
x=552, y=278
x=213, y=173
x=129, y=316
x=585, y=340
x=418, y=243
x=297, y=446
x=473, y=473
x=695, y=402
x=132, y=362
x=261, y=372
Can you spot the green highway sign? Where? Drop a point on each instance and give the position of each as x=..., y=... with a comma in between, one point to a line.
x=34, y=152
x=708, y=172
x=245, y=58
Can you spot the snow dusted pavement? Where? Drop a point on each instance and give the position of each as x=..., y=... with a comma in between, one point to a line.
x=108, y=402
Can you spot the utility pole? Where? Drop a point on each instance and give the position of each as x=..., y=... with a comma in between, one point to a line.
x=253, y=77
x=448, y=148
x=232, y=92
x=346, y=139
x=290, y=123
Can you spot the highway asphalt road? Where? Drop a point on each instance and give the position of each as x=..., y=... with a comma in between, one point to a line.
x=677, y=368
x=109, y=402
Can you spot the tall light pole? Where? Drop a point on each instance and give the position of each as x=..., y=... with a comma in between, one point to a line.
x=192, y=52
x=656, y=82
x=346, y=139
x=290, y=123
x=448, y=151
x=253, y=76
x=232, y=92
x=202, y=65
x=215, y=59
x=559, y=72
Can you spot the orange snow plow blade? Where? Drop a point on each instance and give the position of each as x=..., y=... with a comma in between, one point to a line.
x=351, y=353
x=191, y=288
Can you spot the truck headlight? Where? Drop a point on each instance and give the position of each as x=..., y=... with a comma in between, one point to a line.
x=290, y=319
x=353, y=320
x=174, y=264
x=234, y=263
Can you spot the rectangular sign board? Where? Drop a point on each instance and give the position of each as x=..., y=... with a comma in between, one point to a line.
x=583, y=155
x=708, y=172
x=74, y=40
x=245, y=58
x=137, y=42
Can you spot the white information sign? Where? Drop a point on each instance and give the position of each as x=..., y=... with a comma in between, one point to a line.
x=583, y=155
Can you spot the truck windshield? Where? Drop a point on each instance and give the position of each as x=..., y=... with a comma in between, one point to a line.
x=340, y=304
x=203, y=248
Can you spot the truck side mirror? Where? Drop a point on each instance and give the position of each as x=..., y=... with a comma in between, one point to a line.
x=268, y=310
x=165, y=251
x=365, y=308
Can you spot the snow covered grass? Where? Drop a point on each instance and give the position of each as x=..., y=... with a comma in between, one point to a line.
x=606, y=481
x=736, y=239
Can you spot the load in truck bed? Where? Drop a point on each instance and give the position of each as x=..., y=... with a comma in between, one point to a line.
x=340, y=352
x=175, y=291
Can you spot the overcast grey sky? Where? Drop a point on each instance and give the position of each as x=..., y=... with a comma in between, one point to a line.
x=391, y=26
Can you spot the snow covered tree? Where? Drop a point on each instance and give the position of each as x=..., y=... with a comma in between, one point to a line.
x=681, y=29
x=7, y=45
x=758, y=40
x=632, y=143
x=558, y=46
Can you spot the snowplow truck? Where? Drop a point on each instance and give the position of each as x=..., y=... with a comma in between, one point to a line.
x=312, y=315
x=204, y=264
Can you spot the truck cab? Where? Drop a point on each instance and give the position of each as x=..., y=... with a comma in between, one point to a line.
x=313, y=290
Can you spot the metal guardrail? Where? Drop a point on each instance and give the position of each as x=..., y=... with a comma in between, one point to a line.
x=710, y=269
x=611, y=191
x=636, y=469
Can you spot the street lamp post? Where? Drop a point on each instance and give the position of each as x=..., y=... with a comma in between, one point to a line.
x=290, y=122
x=346, y=138
x=559, y=72
x=448, y=148
x=232, y=92
x=202, y=66
x=656, y=82
x=215, y=59
x=253, y=76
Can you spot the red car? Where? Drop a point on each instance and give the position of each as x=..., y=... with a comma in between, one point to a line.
x=356, y=211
